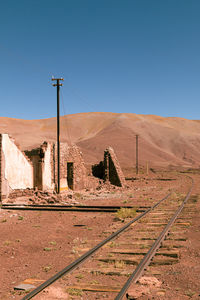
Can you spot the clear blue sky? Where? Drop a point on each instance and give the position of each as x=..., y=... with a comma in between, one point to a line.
x=136, y=56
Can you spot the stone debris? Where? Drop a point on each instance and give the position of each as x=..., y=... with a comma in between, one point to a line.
x=150, y=281
x=13, y=215
x=67, y=197
x=136, y=291
x=145, y=286
x=54, y=293
x=21, y=193
x=44, y=198
x=49, y=197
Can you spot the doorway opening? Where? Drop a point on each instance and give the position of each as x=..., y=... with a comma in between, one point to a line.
x=70, y=175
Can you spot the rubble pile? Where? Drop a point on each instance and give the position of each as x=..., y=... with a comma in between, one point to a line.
x=49, y=197
x=38, y=197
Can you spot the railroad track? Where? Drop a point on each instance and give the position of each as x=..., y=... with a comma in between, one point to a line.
x=128, y=251
x=78, y=208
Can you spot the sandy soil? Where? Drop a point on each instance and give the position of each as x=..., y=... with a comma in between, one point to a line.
x=38, y=244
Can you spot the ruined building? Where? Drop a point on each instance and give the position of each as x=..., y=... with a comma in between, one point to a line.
x=37, y=168
x=72, y=167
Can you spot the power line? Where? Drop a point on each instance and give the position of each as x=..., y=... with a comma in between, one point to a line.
x=68, y=137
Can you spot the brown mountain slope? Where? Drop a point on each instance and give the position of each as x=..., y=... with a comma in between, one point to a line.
x=162, y=141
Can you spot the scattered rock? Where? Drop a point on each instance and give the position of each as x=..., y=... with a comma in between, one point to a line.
x=54, y=293
x=13, y=215
x=137, y=291
x=50, y=200
x=150, y=281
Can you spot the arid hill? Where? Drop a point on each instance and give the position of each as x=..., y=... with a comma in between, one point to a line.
x=162, y=141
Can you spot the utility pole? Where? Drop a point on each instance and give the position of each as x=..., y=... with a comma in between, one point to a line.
x=137, y=169
x=58, y=84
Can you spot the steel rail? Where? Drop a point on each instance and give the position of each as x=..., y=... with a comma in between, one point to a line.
x=150, y=254
x=73, y=205
x=61, y=209
x=70, y=208
x=86, y=255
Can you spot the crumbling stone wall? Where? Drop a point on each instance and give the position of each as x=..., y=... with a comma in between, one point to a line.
x=79, y=173
x=63, y=165
x=73, y=155
x=113, y=171
x=16, y=171
x=22, y=171
x=109, y=169
x=44, y=161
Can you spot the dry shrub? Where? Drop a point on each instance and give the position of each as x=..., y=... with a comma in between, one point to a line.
x=124, y=213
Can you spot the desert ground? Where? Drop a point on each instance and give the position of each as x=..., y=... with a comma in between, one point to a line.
x=35, y=245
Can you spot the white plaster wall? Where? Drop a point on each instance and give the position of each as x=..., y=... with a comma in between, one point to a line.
x=18, y=170
x=46, y=174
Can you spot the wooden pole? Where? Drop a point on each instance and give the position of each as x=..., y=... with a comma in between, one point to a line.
x=137, y=167
x=58, y=84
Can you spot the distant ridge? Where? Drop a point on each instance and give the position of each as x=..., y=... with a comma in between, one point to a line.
x=163, y=141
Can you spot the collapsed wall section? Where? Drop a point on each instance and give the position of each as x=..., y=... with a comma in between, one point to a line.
x=113, y=171
x=109, y=169
x=15, y=168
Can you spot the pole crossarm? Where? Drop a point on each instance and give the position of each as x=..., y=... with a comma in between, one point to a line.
x=60, y=84
x=57, y=78
x=58, y=81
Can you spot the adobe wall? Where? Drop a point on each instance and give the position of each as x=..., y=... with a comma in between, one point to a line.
x=20, y=172
x=15, y=168
x=47, y=171
x=74, y=155
x=80, y=177
x=42, y=161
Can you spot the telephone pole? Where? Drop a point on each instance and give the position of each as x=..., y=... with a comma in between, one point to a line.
x=137, y=169
x=58, y=84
